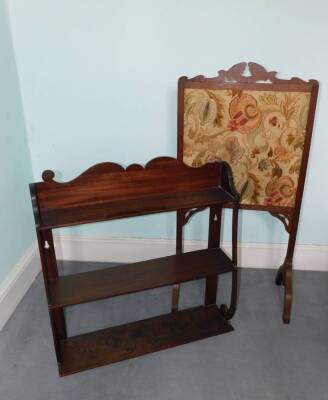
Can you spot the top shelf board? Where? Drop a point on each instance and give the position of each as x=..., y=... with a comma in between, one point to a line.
x=108, y=191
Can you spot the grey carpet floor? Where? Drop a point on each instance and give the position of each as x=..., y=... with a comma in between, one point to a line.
x=261, y=360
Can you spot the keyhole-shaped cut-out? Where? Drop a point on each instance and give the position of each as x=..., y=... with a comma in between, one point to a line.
x=46, y=245
x=215, y=217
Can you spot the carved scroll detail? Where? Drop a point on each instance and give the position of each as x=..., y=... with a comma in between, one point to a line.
x=48, y=175
x=111, y=167
x=189, y=213
x=157, y=163
x=285, y=217
x=237, y=74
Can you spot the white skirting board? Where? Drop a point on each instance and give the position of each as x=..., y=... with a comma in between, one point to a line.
x=130, y=249
x=17, y=283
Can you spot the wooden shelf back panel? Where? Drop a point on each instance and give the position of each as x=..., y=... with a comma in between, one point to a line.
x=108, y=191
x=123, y=342
x=100, y=284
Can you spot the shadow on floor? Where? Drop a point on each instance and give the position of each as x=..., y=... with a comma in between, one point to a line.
x=261, y=360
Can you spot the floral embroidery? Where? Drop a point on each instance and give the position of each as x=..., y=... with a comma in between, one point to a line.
x=260, y=134
x=280, y=191
x=244, y=113
x=264, y=165
x=234, y=149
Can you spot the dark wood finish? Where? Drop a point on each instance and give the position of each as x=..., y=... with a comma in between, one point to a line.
x=82, y=214
x=142, y=337
x=261, y=79
x=131, y=278
x=213, y=242
x=107, y=191
x=50, y=273
x=178, y=250
x=107, y=195
x=228, y=312
x=285, y=272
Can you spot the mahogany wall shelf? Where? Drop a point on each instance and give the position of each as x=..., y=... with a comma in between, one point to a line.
x=108, y=191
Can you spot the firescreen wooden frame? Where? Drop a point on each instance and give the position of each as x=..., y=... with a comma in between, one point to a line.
x=259, y=79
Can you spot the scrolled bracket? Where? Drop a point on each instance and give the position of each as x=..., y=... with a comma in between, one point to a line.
x=285, y=217
x=229, y=312
x=190, y=212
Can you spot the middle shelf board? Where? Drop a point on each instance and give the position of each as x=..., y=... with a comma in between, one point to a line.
x=131, y=278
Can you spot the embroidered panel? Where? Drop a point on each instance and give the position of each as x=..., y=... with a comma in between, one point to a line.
x=259, y=133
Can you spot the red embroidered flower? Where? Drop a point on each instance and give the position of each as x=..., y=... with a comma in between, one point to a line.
x=280, y=191
x=233, y=125
x=273, y=121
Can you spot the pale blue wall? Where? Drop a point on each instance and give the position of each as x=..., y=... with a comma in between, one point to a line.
x=99, y=81
x=16, y=225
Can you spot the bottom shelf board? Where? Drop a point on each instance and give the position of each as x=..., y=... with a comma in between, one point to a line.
x=122, y=342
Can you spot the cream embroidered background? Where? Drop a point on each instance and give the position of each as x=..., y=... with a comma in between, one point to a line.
x=260, y=134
